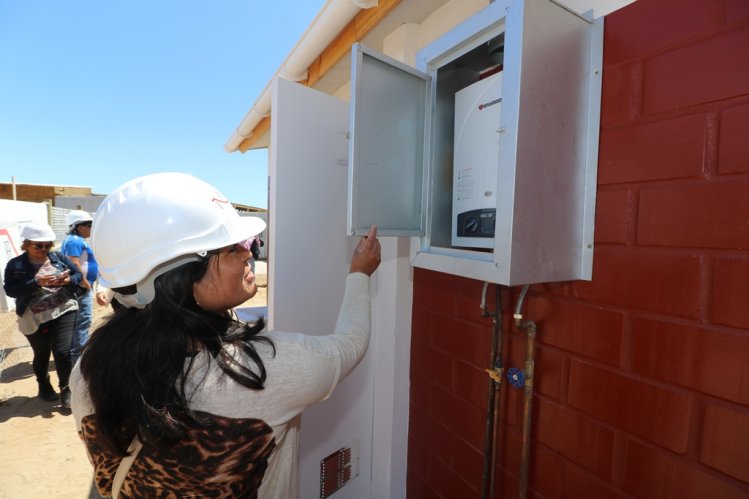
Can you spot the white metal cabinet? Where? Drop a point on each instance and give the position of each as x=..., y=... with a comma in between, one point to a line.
x=309, y=260
x=548, y=136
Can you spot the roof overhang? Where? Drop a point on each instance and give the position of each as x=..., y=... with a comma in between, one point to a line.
x=319, y=57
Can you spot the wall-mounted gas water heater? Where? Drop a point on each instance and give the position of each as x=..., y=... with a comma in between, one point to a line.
x=487, y=150
x=475, y=162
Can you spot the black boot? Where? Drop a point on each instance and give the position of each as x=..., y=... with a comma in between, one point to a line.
x=46, y=392
x=65, y=397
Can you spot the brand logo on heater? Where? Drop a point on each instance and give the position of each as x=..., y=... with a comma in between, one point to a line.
x=490, y=103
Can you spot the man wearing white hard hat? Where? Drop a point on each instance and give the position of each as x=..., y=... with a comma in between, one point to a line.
x=203, y=405
x=80, y=253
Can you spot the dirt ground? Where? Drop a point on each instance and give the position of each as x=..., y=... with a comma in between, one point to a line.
x=40, y=453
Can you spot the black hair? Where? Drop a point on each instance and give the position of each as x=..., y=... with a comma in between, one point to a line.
x=73, y=230
x=135, y=362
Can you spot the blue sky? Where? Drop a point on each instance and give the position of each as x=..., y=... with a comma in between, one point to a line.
x=94, y=93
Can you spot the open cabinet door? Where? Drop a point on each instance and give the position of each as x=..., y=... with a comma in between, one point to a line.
x=388, y=127
x=308, y=263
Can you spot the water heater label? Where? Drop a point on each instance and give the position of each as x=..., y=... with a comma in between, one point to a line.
x=465, y=184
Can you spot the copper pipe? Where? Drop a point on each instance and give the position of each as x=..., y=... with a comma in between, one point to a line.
x=527, y=406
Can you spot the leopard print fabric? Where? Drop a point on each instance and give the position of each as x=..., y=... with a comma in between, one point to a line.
x=226, y=458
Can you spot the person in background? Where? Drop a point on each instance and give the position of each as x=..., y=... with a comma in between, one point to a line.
x=43, y=283
x=176, y=374
x=255, y=246
x=105, y=296
x=79, y=252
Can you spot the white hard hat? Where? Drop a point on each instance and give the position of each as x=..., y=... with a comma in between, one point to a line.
x=155, y=223
x=77, y=216
x=38, y=232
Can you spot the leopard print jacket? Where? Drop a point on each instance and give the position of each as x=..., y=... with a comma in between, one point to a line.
x=226, y=458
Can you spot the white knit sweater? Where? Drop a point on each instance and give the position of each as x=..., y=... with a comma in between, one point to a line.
x=304, y=370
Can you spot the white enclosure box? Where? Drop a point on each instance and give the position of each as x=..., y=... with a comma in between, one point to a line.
x=403, y=143
x=475, y=162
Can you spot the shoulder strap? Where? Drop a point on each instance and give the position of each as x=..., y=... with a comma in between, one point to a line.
x=124, y=467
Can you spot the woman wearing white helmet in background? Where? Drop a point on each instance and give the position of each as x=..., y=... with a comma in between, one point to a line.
x=43, y=282
x=80, y=253
x=205, y=406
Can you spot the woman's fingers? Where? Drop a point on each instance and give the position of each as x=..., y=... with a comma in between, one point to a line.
x=366, y=257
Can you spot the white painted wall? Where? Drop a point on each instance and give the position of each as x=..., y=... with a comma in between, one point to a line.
x=308, y=263
x=446, y=18
x=22, y=212
x=85, y=203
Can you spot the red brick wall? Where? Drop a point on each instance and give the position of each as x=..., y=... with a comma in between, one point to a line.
x=642, y=374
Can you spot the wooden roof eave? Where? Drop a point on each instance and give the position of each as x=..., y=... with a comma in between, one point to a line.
x=353, y=32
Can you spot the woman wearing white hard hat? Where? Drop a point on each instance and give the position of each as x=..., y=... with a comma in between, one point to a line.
x=43, y=282
x=203, y=405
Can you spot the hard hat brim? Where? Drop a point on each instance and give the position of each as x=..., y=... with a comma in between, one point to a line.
x=251, y=226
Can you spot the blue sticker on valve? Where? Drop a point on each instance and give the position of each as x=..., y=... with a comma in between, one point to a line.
x=516, y=377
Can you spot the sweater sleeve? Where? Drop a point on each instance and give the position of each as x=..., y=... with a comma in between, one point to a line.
x=351, y=338
x=305, y=368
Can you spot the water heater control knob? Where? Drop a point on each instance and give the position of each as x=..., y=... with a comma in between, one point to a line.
x=472, y=225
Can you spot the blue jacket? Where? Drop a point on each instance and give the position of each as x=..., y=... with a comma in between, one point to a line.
x=19, y=280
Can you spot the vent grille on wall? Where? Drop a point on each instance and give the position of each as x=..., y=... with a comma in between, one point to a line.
x=338, y=469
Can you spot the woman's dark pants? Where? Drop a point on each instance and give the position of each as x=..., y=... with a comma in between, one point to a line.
x=54, y=336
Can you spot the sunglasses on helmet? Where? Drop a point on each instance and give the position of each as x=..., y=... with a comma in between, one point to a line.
x=241, y=245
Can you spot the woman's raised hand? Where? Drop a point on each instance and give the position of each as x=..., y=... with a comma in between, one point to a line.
x=366, y=257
